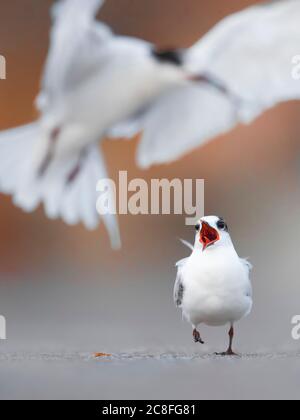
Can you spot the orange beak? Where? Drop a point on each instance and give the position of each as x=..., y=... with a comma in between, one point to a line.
x=208, y=235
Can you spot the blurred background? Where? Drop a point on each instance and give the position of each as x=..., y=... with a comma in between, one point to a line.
x=63, y=290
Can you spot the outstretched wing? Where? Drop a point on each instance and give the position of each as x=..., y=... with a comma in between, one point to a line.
x=178, y=121
x=251, y=52
x=182, y=119
x=75, y=42
x=248, y=60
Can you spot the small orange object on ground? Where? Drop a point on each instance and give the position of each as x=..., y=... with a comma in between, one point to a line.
x=102, y=355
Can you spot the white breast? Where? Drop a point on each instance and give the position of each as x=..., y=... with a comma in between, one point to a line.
x=217, y=289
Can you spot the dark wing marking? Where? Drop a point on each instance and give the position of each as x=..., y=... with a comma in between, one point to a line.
x=179, y=287
x=180, y=293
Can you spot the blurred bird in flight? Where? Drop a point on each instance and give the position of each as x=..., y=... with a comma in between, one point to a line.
x=213, y=285
x=121, y=86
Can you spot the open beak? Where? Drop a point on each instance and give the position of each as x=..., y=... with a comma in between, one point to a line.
x=208, y=235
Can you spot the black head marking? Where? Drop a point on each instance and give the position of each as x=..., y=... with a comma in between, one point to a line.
x=168, y=56
x=222, y=225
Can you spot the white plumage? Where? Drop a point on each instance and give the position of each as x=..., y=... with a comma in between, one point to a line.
x=120, y=86
x=92, y=80
x=245, y=63
x=213, y=285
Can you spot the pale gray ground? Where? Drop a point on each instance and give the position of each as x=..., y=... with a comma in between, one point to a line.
x=60, y=310
x=63, y=310
x=53, y=329
x=169, y=376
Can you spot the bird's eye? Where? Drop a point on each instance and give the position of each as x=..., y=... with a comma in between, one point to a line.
x=197, y=227
x=222, y=225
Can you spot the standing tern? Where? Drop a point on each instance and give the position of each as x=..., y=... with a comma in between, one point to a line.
x=213, y=285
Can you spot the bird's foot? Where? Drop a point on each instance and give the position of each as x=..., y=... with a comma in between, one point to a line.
x=197, y=337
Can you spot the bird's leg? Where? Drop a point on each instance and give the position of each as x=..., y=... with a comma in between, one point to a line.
x=229, y=352
x=50, y=152
x=76, y=170
x=197, y=336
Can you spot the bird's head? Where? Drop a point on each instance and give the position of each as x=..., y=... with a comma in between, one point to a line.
x=211, y=231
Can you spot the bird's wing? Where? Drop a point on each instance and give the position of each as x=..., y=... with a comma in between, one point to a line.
x=180, y=120
x=248, y=268
x=75, y=42
x=179, y=287
x=248, y=57
x=251, y=52
x=128, y=128
x=87, y=8
x=247, y=265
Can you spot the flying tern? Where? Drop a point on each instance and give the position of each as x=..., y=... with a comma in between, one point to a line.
x=97, y=84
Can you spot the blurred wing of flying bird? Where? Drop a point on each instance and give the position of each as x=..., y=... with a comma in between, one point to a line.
x=98, y=84
x=32, y=169
x=240, y=69
x=92, y=80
